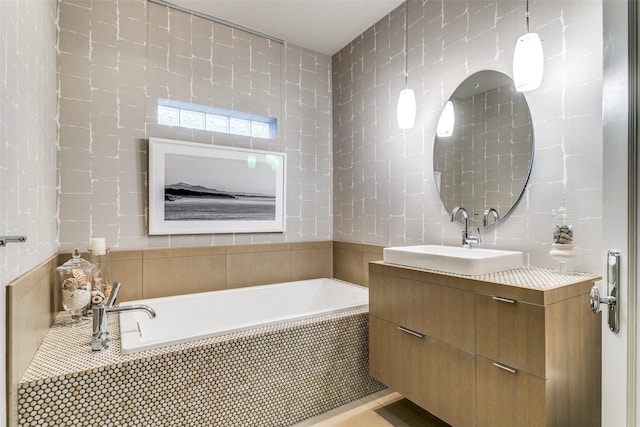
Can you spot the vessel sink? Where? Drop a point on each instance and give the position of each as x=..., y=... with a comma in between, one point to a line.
x=454, y=259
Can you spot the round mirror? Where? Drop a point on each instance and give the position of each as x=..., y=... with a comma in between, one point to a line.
x=483, y=150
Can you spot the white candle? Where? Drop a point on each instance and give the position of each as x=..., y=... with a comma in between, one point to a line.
x=98, y=246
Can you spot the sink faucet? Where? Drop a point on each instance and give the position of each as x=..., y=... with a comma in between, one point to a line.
x=467, y=239
x=485, y=217
x=101, y=312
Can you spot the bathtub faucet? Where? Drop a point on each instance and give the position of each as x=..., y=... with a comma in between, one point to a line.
x=101, y=312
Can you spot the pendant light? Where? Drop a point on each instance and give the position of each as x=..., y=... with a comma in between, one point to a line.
x=407, y=99
x=528, y=59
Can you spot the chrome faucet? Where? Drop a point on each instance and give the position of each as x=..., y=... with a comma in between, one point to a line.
x=485, y=217
x=101, y=312
x=467, y=239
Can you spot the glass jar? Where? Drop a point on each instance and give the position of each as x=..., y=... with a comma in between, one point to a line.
x=75, y=282
x=562, y=246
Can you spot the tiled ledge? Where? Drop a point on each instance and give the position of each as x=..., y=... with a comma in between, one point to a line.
x=532, y=284
x=525, y=277
x=67, y=350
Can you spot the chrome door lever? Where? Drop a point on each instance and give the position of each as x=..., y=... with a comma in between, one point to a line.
x=613, y=278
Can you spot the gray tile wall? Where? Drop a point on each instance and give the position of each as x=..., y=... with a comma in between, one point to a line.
x=117, y=58
x=27, y=144
x=27, y=134
x=384, y=189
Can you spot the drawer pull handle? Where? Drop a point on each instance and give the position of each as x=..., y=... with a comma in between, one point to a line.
x=503, y=299
x=505, y=367
x=411, y=332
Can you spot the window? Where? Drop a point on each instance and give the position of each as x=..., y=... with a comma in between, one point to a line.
x=193, y=116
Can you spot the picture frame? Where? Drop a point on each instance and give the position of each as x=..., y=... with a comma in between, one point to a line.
x=197, y=188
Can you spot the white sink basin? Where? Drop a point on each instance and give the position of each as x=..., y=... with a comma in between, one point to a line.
x=454, y=259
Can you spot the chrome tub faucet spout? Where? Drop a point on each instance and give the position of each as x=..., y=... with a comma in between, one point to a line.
x=101, y=312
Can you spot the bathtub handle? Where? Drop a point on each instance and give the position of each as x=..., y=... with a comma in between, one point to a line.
x=411, y=332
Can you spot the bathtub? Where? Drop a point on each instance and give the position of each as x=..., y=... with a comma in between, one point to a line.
x=300, y=349
x=186, y=318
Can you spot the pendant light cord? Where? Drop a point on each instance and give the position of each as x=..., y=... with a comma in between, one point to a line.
x=406, y=44
x=526, y=18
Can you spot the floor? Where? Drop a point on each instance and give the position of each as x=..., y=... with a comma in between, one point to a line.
x=382, y=409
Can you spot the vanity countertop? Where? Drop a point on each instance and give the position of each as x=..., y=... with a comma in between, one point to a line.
x=540, y=285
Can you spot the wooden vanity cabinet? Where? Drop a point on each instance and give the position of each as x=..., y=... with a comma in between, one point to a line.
x=474, y=352
x=421, y=340
x=430, y=373
x=507, y=399
x=511, y=332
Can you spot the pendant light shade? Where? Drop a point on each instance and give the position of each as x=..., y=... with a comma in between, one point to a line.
x=447, y=121
x=407, y=99
x=406, y=109
x=528, y=59
x=528, y=62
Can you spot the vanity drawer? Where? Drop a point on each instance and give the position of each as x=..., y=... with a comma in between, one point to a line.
x=511, y=332
x=434, y=375
x=441, y=312
x=507, y=399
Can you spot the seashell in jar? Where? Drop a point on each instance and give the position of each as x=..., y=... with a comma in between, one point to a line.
x=96, y=284
x=80, y=276
x=70, y=284
x=97, y=297
x=106, y=290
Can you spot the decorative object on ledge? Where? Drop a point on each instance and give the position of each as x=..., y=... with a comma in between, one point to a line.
x=4, y=240
x=528, y=59
x=562, y=247
x=407, y=100
x=202, y=188
x=76, y=275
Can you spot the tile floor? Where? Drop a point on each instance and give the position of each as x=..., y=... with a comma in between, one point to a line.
x=382, y=409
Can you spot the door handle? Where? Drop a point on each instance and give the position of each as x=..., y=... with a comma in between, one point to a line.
x=613, y=280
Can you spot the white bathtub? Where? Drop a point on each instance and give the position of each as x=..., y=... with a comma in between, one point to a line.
x=191, y=317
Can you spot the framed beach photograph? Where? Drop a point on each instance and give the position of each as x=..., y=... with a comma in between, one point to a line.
x=202, y=188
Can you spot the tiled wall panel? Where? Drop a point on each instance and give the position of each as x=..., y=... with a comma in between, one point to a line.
x=117, y=58
x=152, y=273
x=276, y=375
x=384, y=188
x=28, y=111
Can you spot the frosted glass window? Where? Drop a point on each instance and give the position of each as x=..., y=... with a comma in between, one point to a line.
x=216, y=123
x=239, y=126
x=260, y=129
x=191, y=119
x=212, y=119
x=168, y=116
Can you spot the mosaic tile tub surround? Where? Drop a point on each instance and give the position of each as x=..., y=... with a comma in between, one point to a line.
x=273, y=376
